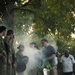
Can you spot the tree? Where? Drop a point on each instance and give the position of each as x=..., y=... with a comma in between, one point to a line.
x=7, y=8
x=56, y=17
x=52, y=17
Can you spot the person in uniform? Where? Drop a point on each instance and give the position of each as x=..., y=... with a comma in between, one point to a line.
x=19, y=56
x=3, y=56
x=9, y=51
x=13, y=55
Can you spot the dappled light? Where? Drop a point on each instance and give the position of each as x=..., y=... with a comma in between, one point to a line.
x=32, y=20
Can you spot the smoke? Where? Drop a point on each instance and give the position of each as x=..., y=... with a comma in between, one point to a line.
x=26, y=39
x=33, y=55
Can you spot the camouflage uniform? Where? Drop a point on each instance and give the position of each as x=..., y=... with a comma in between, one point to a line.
x=13, y=61
x=19, y=56
x=3, y=57
x=9, y=56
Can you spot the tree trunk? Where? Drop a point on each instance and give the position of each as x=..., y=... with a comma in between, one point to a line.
x=8, y=16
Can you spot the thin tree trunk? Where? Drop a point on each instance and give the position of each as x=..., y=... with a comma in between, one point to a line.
x=10, y=15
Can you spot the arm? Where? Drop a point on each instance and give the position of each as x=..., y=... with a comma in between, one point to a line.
x=3, y=56
x=60, y=64
x=73, y=60
x=51, y=57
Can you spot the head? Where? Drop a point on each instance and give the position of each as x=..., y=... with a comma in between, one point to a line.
x=44, y=42
x=21, y=47
x=33, y=45
x=3, y=30
x=66, y=53
x=10, y=35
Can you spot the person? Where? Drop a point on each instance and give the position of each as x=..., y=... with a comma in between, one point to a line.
x=12, y=50
x=67, y=61
x=19, y=56
x=7, y=43
x=35, y=58
x=34, y=45
x=3, y=55
x=13, y=55
x=50, y=56
x=37, y=54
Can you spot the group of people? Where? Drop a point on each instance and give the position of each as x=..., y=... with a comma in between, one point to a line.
x=8, y=57
x=66, y=60
x=7, y=54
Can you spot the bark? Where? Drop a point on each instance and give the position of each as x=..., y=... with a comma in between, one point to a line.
x=10, y=15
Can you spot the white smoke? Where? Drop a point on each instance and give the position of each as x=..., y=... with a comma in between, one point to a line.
x=33, y=55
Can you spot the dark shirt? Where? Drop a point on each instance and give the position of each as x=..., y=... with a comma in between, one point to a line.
x=49, y=51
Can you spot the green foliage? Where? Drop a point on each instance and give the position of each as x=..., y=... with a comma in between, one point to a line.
x=53, y=17
x=47, y=65
x=50, y=16
x=38, y=69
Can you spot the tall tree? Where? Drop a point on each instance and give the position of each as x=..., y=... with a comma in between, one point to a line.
x=7, y=8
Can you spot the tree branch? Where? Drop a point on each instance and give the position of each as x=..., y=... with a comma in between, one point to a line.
x=31, y=11
x=21, y=7
x=26, y=3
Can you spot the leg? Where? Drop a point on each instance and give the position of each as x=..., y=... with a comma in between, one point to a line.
x=65, y=73
x=54, y=71
x=69, y=73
